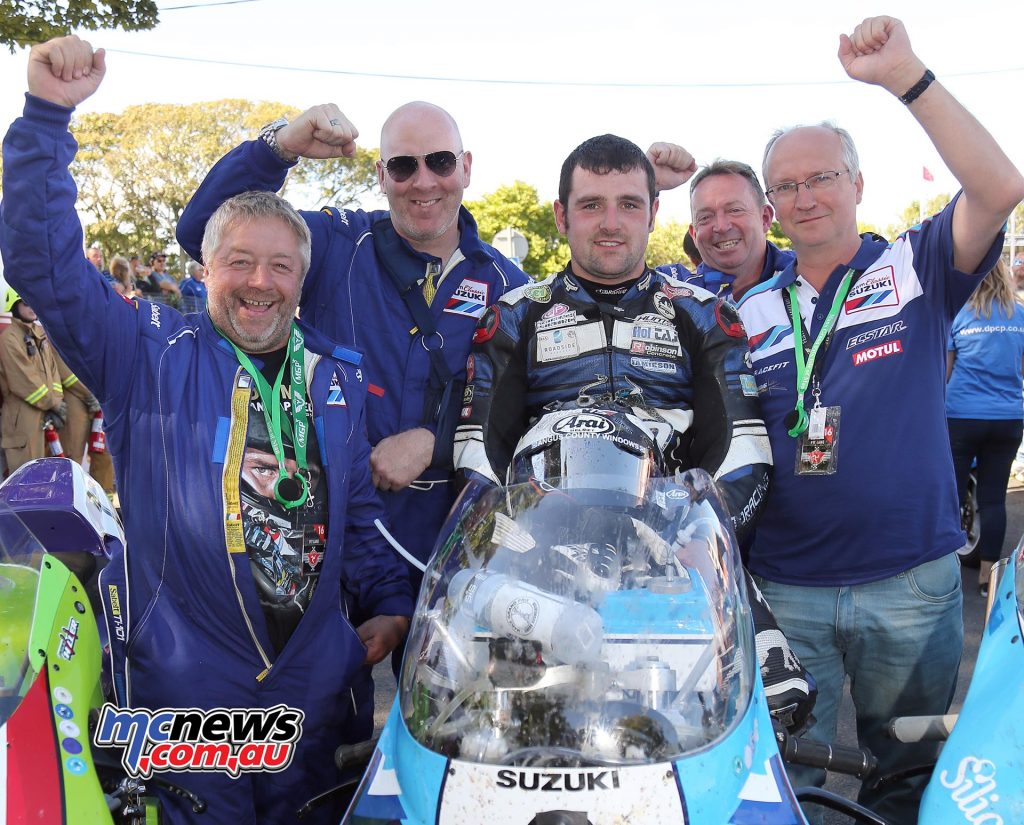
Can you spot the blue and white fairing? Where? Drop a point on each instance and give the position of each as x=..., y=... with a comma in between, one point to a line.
x=578, y=657
x=979, y=778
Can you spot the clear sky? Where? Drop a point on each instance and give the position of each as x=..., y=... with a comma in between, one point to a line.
x=715, y=77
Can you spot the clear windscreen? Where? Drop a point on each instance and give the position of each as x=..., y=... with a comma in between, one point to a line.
x=21, y=557
x=553, y=629
x=1018, y=582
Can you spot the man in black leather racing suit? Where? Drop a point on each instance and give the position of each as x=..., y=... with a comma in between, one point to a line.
x=608, y=327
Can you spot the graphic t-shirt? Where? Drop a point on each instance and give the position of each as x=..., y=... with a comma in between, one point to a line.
x=285, y=546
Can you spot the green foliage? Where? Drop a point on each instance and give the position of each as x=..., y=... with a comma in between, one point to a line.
x=776, y=236
x=911, y=216
x=136, y=170
x=23, y=22
x=518, y=206
x=863, y=228
x=666, y=245
x=341, y=182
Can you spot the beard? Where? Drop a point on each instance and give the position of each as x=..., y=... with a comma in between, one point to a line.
x=252, y=336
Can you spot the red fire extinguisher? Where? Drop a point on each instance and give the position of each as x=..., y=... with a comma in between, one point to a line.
x=97, y=439
x=53, y=446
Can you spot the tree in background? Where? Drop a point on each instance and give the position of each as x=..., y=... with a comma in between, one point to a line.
x=137, y=170
x=776, y=236
x=665, y=245
x=340, y=182
x=23, y=22
x=519, y=207
x=911, y=216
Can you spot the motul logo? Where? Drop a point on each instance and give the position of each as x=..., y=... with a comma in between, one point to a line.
x=874, y=353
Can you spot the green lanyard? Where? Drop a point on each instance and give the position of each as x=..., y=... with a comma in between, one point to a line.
x=796, y=421
x=290, y=492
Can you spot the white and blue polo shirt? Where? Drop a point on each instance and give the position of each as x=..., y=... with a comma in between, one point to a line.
x=891, y=504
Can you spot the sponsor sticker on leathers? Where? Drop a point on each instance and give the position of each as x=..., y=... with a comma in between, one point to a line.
x=558, y=316
x=653, y=365
x=540, y=294
x=663, y=304
x=554, y=345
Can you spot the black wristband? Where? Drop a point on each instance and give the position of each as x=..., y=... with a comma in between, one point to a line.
x=915, y=91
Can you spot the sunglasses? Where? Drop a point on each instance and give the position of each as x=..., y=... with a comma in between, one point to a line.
x=403, y=167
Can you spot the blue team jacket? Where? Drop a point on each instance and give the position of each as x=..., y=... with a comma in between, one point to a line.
x=349, y=297
x=187, y=619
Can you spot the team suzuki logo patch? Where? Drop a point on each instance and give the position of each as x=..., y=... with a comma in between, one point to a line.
x=876, y=289
x=470, y=299
x=865, y=356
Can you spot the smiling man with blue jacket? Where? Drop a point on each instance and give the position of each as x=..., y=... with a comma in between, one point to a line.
x=249, y=510
x=405, y=286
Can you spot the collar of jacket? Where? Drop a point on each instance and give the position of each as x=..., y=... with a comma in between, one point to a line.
x=313, y=341
x=572, y=284
x=870, y=249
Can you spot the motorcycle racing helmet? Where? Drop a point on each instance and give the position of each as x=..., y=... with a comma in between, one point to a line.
x=600, y=455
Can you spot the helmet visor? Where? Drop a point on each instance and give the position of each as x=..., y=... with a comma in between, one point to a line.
x=607, y=470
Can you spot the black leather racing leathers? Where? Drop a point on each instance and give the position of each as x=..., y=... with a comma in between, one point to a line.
x=675, y=353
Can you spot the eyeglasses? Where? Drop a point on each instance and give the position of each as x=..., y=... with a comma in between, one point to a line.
x=1018, y=261
x=788, y=191
x=403, y=167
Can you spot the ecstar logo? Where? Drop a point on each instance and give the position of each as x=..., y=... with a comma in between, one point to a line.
x=232, y=741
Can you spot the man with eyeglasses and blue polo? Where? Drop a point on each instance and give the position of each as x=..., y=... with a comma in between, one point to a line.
x=404, y=286
x=855, y=549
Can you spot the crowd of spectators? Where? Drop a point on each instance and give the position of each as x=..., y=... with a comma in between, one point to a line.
x=152, y=280
x=131, y=278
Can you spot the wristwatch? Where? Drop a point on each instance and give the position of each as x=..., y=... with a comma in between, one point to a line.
x=268, y=134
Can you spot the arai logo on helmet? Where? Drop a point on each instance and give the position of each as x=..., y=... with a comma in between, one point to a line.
x=583, y=424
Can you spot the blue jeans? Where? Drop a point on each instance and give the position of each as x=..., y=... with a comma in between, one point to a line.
x=899, y=640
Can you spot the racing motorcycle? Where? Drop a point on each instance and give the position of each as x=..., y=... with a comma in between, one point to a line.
x=979, y=777
x=55, y=518
x=583, y=652
x=970, y=521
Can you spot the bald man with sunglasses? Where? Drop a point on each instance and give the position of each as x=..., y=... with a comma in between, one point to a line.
x=404, y=286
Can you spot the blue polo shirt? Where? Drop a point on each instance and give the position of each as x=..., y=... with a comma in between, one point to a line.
x=986, y=379
x=720, y=283
x=891, y=504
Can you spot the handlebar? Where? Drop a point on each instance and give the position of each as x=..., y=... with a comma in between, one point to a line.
x=357, y=755
x=922, y=728
x=858, y=762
